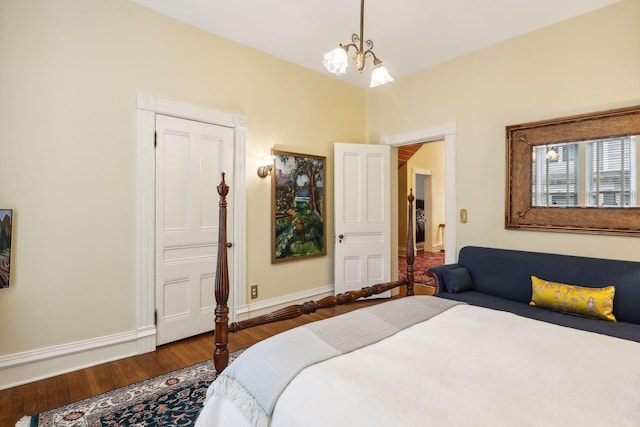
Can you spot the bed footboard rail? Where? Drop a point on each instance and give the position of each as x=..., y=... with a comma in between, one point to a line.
x=297, y=310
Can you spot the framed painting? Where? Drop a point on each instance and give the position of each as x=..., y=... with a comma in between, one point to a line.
x=6, y=221
x=298, y=217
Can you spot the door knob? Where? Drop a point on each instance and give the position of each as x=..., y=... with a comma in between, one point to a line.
x=340, y=237
x=229, y=244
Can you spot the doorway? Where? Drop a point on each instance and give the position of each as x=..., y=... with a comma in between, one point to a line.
x=422, y=170
x=190, y=159
x=147, y=107
x=445, y=132
x=425, y=173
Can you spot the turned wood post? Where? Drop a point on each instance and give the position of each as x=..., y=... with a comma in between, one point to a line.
x=221, y=353
x=410, y=249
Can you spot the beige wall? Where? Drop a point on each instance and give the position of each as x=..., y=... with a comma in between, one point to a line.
x=589, y=63
x=69, y=74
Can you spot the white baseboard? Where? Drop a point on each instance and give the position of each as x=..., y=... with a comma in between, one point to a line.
x=266, y=306
x=33, y=365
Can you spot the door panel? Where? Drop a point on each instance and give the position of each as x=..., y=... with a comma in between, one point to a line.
x=190, y=157
x=362, y=216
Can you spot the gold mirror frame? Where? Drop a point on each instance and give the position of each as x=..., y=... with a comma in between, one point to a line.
x=519, y=212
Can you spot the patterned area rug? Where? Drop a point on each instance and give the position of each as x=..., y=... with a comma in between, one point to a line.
x=420, y=266
x=173, y=399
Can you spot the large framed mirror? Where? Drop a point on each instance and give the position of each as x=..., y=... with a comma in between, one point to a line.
x=575, y=174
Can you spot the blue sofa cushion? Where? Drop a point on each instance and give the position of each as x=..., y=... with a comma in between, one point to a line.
x=628, y=331
x=457, y=280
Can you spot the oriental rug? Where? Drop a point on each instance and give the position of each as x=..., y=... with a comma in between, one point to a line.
x=423, y=261
x=173, y=399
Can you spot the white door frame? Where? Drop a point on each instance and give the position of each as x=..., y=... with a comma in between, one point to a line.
x=428, y=203
x=147, y=107
x=446, y=132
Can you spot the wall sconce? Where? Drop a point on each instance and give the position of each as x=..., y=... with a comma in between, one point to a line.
x=265, y=170
x=552, y=154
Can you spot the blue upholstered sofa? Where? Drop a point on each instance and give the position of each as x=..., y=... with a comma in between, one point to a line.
x=500, y=279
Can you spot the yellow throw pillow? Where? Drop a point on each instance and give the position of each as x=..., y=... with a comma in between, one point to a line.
x=591, y=302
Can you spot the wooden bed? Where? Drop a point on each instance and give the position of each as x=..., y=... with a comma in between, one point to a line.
x=417, y=361
x=222, y=326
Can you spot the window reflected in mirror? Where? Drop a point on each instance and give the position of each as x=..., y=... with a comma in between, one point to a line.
x=594, y=173
x=575, y=174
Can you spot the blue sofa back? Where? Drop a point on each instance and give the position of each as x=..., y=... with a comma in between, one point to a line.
x=507, y=274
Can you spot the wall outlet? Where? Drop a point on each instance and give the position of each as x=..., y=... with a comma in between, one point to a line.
x=254, y=291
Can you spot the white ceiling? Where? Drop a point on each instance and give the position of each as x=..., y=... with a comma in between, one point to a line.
x=408, y=35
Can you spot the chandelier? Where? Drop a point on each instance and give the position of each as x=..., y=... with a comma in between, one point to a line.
x=336, y=61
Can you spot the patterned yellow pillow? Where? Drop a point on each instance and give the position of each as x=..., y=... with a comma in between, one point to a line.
x=591, y=302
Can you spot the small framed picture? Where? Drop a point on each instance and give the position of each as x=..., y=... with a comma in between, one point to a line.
x=298, y=225
x=6, y=222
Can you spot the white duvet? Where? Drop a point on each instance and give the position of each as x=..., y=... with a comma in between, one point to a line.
x=468, y=366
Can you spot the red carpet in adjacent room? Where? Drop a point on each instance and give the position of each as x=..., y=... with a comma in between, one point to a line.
x=423, y=261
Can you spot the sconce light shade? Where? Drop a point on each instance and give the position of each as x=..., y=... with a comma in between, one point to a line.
x=552, y=154
x=265, y=170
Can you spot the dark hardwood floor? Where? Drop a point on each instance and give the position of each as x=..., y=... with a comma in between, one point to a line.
x=40, y=396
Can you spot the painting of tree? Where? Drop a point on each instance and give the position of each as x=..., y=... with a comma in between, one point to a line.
x=6, y=217
x=298, y=214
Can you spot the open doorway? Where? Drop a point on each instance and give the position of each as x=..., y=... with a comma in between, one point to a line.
x=421, y=168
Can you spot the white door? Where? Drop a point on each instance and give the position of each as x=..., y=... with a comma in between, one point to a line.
x=362, y=216
x=190, y=157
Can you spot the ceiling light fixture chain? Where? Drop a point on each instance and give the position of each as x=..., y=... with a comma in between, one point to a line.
x=336, y=60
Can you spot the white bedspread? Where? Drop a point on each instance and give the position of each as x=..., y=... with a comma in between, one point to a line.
x=468, y=366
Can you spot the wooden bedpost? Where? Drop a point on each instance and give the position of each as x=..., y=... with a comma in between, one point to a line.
x=221, y=353
x=410, y=249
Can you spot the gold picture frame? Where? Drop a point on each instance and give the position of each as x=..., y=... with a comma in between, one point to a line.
x=298, y=207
